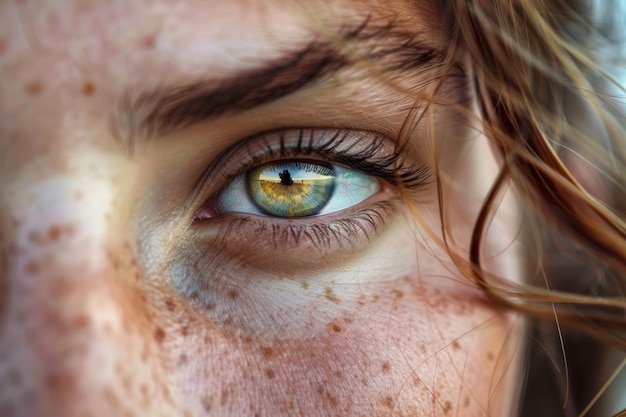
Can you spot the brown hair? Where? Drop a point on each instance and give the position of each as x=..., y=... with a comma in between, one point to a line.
x=524, y=63
x=552, y=109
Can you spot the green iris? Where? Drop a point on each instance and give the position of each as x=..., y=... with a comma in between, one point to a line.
x=291, y=188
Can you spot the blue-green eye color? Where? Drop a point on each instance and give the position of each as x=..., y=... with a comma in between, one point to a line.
x=295, y=188
x=291, y=188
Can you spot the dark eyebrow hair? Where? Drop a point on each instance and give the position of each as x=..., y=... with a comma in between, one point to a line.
x=159, y=111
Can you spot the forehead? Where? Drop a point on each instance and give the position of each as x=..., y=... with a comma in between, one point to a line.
x=224, y=32
x=55, y=54
x=123, y=35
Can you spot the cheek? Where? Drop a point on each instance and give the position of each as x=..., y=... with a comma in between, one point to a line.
x=409, y=347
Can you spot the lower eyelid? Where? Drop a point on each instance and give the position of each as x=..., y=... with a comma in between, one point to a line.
x=280, y=235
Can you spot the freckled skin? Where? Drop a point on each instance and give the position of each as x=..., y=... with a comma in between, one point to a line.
x=92, y=322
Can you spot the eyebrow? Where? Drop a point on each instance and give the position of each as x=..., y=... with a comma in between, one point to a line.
x=147, y=114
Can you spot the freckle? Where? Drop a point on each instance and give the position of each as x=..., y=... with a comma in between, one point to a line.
x=184, y=331
x=233, y=294
x=159, y=335
x=167, y=394
x=224, y=396
x=330, y=295
x=54, y=232
x=31, y=267
x=88, y=89
x=149, y=42
x=304, y=285
x=170, y=305
x=111, y=398
x=267, y=351
x=456, y=345
x=60, y=382
x=466, y=402
x=34, y=88
x=386, y=367
x=398, y=293
x=447, y=407
x=270, y=373
x=387, y=401
x=81, y=321
x=207, y=404
x=335, y=327
x=490, y=356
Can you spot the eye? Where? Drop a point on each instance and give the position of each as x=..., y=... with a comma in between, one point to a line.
x=323, y=187
x=295, y=188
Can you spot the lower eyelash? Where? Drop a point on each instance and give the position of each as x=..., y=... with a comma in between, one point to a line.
x=324, y=235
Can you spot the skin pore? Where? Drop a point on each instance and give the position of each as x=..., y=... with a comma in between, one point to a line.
x=117, y=301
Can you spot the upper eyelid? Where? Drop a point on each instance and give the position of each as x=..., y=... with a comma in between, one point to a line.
x=259, y=149
x=377, y=157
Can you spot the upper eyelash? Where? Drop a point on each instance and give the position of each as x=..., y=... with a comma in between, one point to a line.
x=391, y=167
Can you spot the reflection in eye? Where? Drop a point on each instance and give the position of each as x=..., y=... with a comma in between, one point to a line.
x=308, y=173
x=296, y=188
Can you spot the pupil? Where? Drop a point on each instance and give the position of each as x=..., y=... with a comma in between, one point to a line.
x=291, y=188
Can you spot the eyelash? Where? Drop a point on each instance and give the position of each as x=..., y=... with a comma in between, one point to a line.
x=318, y=234
x=390, y=168
x=337, y=146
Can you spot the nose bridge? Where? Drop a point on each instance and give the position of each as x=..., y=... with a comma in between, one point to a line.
x=68, y=319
